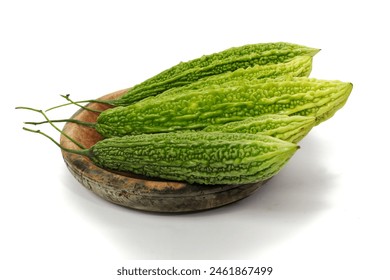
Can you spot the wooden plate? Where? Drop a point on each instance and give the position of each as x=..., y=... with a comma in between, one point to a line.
x=138, y=192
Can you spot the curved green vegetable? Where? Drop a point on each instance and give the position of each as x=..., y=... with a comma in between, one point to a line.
x=287, y=128
x=196, y=157
x=234, y=101
x=208, y=158
x=228, y=60
x=300, y=66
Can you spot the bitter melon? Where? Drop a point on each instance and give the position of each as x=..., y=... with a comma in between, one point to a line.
x=195, y=157
x=297, y=67
x=231, y=59
x=233, y=101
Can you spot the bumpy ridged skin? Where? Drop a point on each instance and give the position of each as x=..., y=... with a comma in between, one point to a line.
x=228, y=60
x=196, y=109
x=196, y=157
x=297, y=67
x=287, y=128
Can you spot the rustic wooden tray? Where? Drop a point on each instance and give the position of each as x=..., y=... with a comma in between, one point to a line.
x=138, y=192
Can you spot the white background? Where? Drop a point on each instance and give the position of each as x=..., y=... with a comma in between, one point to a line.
x=324, y=216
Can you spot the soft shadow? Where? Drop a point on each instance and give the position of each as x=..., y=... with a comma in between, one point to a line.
x=280, y=209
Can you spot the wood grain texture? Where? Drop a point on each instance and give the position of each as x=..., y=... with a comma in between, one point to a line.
x=135, y=191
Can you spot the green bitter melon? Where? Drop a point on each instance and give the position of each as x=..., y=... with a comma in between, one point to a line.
x=196, y=157
x=234, y=101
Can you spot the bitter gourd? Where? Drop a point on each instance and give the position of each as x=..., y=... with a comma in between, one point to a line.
x=195, y=157
x=287, y=128
x=231, y=59
x=297, y=67
x=198, y=108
